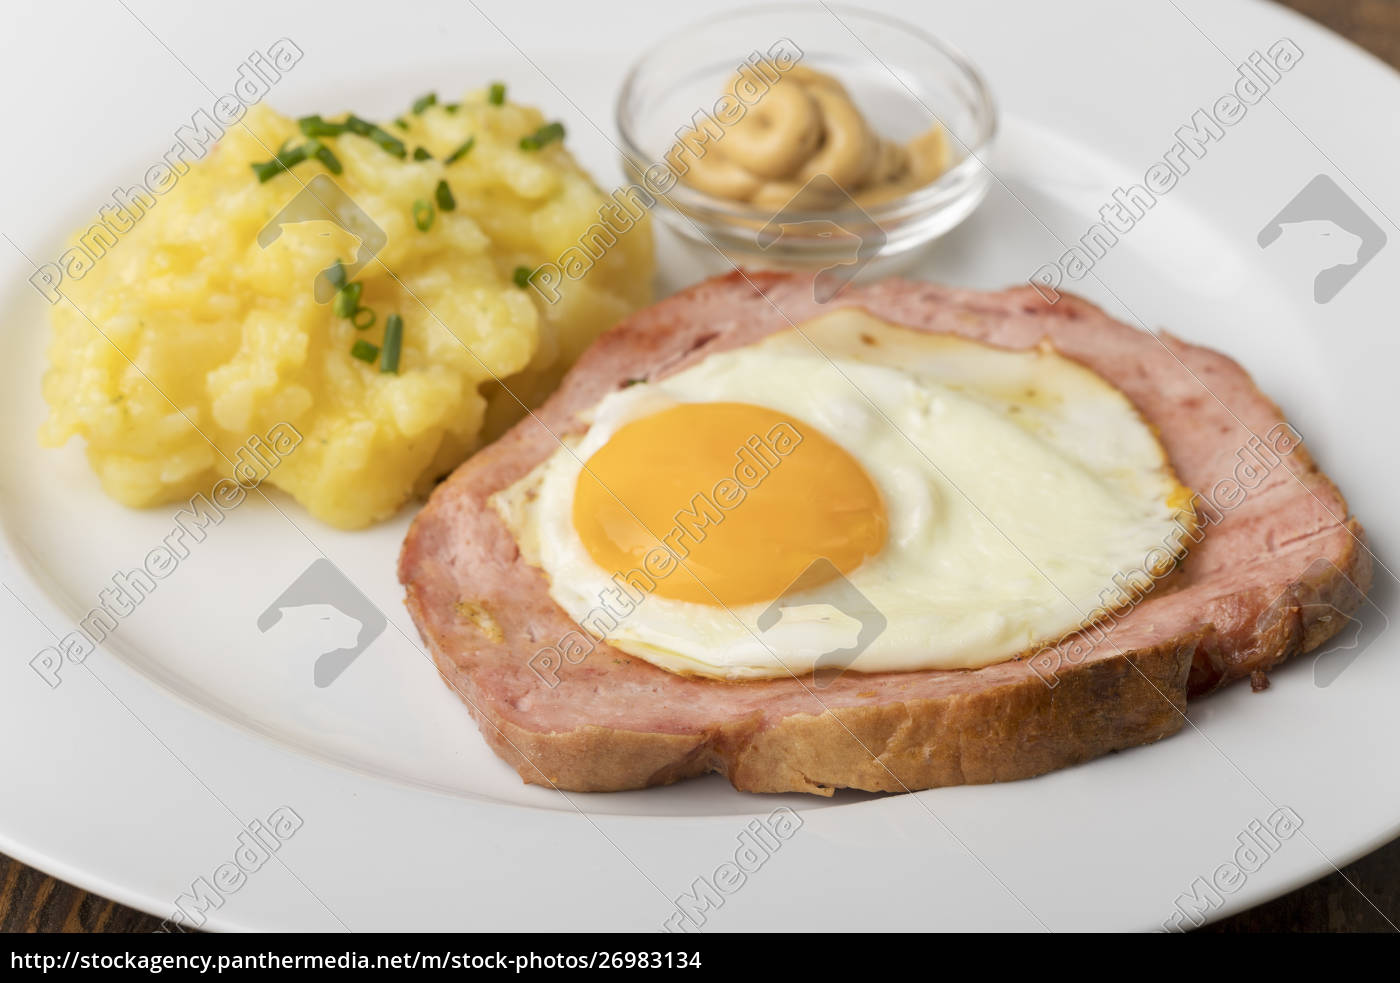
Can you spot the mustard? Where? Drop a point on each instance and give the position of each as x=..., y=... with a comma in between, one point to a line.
x=806, y=125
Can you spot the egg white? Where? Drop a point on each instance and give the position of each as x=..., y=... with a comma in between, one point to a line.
x=1020, y=488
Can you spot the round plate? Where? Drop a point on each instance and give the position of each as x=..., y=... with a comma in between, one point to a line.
x=197, y=729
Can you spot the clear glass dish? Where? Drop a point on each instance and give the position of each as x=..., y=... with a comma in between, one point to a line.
x=902, y=79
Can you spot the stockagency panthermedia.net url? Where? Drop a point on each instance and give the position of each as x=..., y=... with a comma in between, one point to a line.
x=155, y=963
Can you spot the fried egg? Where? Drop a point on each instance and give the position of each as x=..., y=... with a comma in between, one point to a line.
x=853, y=493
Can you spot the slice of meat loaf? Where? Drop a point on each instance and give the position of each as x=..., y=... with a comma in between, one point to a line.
x=1275, y=560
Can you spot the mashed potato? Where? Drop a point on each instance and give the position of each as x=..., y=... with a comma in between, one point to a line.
x=232, y=333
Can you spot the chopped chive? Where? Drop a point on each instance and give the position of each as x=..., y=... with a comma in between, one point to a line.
x=365, y=351
x=401, y=123
x=497, y=95
x=545, y=134
x=268, y=170
x=422, y=215
x=423, y=102
x=421, y=153
x=323, y=153
x=285, y=159
x=387, y=141
x=361, y=322
x=461, y=151
x=632, y=382
x=336, y=275
x=452, y=107
x=393, y=343
x=315, y=126
x=522, y=275
x=347, y=300
x=443, y=194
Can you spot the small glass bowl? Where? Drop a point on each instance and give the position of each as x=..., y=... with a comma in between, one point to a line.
x=902, y=79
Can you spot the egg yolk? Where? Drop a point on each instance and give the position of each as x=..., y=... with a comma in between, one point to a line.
x=724, y=504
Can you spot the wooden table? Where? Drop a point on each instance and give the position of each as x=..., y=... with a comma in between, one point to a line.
x=34, y=902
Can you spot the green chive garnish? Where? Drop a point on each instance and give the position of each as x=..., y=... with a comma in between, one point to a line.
x=423, y=102
x=364, y=319
x=421, y=153
x=401, y=123
x=461, y=151
x=497, y=95
x=364, y=351
x=284, y=160
x=387, y=141
x=393, y=343
x=545, y=134
x=323, y=153
x=522, y=275
x=422, y=215
x=452, y=107
x=315, y=126
x=336, y=275
x=443, y=194
x=347, y=300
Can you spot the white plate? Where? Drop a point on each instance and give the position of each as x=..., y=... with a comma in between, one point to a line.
x=131, y=778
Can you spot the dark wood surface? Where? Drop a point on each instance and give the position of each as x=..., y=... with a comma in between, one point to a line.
x=34, y=902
